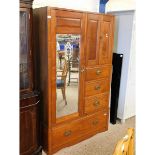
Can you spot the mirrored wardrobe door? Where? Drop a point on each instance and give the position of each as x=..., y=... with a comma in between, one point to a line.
x=67, y=74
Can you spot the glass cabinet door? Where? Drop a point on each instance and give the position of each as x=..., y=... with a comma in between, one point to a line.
x=24, y=50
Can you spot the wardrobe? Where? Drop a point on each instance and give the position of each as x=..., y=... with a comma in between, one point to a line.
x=76, y=44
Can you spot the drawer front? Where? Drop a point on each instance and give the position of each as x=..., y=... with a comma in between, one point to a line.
x=97, y=102
x=97, y=87
x=66, y=133
x=96, y=121
x=98, y=72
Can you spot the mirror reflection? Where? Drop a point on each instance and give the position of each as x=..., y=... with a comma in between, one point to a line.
x=67, y=73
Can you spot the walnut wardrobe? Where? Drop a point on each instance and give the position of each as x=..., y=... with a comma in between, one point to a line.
x=74, y=59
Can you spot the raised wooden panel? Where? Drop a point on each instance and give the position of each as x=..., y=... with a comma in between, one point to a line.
x=68, y=14
x=70, y=22
x=105, y=50
x=96, y=102
x=92, y=41
x=97, y=87
x=98, y=72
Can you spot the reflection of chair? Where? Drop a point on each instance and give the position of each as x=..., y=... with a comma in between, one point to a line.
x=61, y=55
x=61, y=79
x=126, y=145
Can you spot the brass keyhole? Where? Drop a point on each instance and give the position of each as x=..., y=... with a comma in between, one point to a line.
x=95, y=122
x=96, y=103
x=67, y=133
x=97, y=87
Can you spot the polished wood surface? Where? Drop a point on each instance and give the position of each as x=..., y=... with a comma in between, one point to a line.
x=93, y=32
x=30, y=132
x=97, y=86
x=126, y=144
x=96, y=103
x=77, y=129
x=29, y=125
x=106, y=41
x=95, y=75
x=99, y=72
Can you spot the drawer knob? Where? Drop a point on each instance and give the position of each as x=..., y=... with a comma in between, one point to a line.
x=67, y=133
x=97, y=87
x=96, y=103
x=95, y=122
x=98, y=72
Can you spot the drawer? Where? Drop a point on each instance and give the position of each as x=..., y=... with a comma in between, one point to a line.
x=98, y=72
x=97, y=102
x=97, y=121
x=66, y=133
x=97, y=87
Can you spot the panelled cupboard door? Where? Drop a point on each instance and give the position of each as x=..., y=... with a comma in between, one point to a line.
x=105, y=42
x=92, y=39
x=99, y=39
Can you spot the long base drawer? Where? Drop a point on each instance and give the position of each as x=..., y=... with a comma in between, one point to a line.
x=78, y=130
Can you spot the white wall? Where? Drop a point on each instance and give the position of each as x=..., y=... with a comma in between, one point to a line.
x=120, y=5
x=85, y=5
x=124, y=43
x=131, y=92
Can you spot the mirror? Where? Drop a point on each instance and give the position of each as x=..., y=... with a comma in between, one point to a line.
x=67, y=73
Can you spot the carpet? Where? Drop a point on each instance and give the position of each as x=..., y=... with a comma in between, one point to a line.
x=102, y=143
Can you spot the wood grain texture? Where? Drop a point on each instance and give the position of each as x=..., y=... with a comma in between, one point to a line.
x=89, y=120
x=96, y=103
x=30, y=130
x=79, y=129
x=29, y=125
x=96, y=87
x=94, y=73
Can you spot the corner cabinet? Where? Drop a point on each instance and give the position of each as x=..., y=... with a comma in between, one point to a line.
x=29, y=99
x=79, y=46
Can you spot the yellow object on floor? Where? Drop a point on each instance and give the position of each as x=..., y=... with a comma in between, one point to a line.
x=126, y=145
